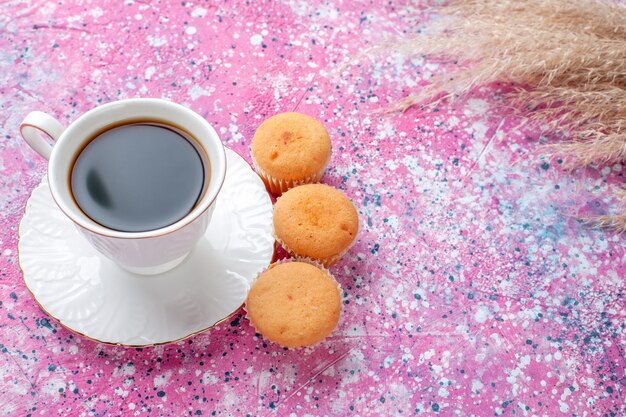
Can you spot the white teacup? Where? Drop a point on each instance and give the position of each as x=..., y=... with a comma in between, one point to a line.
x=149, y=252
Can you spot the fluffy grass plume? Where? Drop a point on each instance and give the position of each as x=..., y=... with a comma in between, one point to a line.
x=566, y=59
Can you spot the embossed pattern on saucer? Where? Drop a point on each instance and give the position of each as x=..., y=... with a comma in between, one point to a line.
x=92, y=296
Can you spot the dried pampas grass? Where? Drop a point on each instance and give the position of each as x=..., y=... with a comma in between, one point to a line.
x=565, y=58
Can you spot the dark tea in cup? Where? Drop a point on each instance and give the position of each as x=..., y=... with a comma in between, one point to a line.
x=140, y=176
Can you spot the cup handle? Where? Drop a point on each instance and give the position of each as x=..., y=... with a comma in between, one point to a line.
x=36, y=123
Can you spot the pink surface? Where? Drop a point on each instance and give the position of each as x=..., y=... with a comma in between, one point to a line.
x=474, y=288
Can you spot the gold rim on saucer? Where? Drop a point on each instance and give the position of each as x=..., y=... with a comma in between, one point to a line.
x=93, y=339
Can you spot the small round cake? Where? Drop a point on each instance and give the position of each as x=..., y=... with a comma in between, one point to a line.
x=290, y=149
x=316, y=221
x=294, y=304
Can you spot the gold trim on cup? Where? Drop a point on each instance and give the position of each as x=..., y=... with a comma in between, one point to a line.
x=89, y=223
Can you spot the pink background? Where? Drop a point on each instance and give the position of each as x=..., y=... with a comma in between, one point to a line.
x=474, y=290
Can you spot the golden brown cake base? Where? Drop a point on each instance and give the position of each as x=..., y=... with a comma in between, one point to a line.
x=290, y=149
x=316, y=221
x=294, y=304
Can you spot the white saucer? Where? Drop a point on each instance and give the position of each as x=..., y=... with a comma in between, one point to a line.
x=92, y=296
